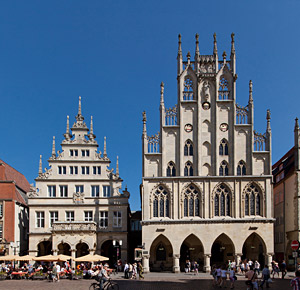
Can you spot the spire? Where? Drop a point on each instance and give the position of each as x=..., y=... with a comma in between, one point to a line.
x=53, y=147
x=104, y=149
x=224, y=56
x=215, y=44
x=40, y=166
x=232, y=44
x=197, y=53
x=268, y=120
x=188, y=57
x=250, y=92
x=144, y=124
x=162, y=89
x=91, y=135
x=296, y=125
x=67, y=134
x=179, y=46
x=117, y=167
x=79, y=116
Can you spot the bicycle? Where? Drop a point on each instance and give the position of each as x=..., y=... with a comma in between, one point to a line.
x=108, y=285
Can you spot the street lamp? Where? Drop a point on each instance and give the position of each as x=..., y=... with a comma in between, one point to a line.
x=117, y=244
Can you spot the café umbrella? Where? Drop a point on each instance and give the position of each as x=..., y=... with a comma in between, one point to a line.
x=91, y=258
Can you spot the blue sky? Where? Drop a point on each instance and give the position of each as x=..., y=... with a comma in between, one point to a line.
x=116, y=53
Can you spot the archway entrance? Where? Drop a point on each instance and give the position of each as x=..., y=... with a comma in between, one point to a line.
x=82, y=249
x=161, y=255
x=222, y=250
x=254, y=249
x=107, y=250
x=192, y=250
x=44, y=248
x=64, y=249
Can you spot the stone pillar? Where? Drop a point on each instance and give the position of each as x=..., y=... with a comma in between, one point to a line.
x=54, y=252
x=206, y=267
x=270, y=258
x=176, y=266
x=238, y=258
x=33, y=253
x=73, y=254
x=146, y=263
x=92, y=251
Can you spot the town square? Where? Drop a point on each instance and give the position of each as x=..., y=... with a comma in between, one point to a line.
x=149, y=144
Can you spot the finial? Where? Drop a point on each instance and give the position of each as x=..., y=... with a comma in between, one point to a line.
x=91, y=127
x=197, y=45
x=224, y=56
x=162, y=89
x=296, y=124
x=179, y=45
x=68, y=135
x=144, y=123
x=117, y=166
x=250, y=91
x=188, y=57
x=40, y=166
x=79, y=106
x=268, y=120
x=232, y=44
x=215, y=44
x=53, y=147
x=104, y=149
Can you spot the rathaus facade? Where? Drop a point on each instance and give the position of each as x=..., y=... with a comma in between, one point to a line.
x=207, y=182
x=77, y=206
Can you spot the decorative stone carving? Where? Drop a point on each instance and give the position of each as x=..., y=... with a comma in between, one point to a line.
x=74, y=227
x=78, y=197
x=33, y=192
x=46, y=174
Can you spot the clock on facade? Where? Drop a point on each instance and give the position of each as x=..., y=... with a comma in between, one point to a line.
x=224, y=127
x=188, y=128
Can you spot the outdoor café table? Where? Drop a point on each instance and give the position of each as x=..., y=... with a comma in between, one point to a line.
x=18, y=275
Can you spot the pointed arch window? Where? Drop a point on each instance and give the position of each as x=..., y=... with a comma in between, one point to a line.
x=188, y=90
x=188, y=148
x=241, y=168
x=223, y=89
x=161, y=202
x=223, y=148
x=223, y=169
x=222, y=201
x=191, y=206
x=171, y=170
x=252, y=200
x=188, y=169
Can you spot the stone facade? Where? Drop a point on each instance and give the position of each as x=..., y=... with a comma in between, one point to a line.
x=286, y=172
x=76, y=207
x=207, y=181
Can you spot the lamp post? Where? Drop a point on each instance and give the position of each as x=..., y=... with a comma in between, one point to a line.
x=117, y=244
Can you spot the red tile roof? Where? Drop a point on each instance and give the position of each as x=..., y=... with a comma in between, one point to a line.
x=12, y=174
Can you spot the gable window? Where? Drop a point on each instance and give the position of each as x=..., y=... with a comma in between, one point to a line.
x=188, y=148
x=51, y=191
x=95, y=190
x=73, y=170
x=171, y=170
x=106, y=191
x=85, y=170
x=88, y=216
x=96, y=170
x=62, y=170
x=63, y=190
x=223, y=170
x=223, y=89
x=85, y=153
x=69, y=216
x=73, y=152
x=79, y=188
x=188, y=91
x=241, y=168
x=188, y=169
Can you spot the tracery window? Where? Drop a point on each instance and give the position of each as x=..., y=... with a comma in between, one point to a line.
x=188, y=169
x=171, y=170
x=223, y=170
x=223, y=89
x=161, y=203
x=252, y=200
x=188, y=91
x=188, y=148
x=241, y=168
x=222, y=201
x=223, y=148
x=191, y=202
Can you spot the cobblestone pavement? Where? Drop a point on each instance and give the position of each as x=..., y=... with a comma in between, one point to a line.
x=152, y=281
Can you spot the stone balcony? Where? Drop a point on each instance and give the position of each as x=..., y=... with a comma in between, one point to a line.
x=74, y=227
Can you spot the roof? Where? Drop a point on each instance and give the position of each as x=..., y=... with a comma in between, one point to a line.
x=12, y=174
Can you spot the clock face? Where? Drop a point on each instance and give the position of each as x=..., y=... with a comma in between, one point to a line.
x=224, y=127
x=188, y=128
x=206, y=106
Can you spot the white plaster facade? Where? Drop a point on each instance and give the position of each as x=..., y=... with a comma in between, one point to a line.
x=207, y=182
x=77, y=206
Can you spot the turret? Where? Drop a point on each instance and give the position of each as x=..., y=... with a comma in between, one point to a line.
x=179, y=56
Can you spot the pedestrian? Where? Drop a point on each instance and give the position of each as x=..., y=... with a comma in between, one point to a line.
x=218, y=273
x=58, y=271
x=283, y=269
x=196, y=268
x=214, y=274
x=126, y=270
x=295, y=283
x=265, y=276
x=251, y=276
x=232, y=277
x=140, y=271
x=223, y=276
x=54, y=273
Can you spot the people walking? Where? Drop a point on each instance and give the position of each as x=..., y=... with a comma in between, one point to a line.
x=265, y=276
x=140, y=271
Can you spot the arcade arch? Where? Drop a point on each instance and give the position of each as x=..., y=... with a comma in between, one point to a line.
x=222, y=250
x=254, y=248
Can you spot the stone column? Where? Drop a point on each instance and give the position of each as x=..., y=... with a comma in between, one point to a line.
x=146, y=263
x=73, y=254
x=92, y=251
x=33, y=253
x=270, y=258
x=238, y=258
x=176, y=267
x=207, y=263
x=54, y=252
